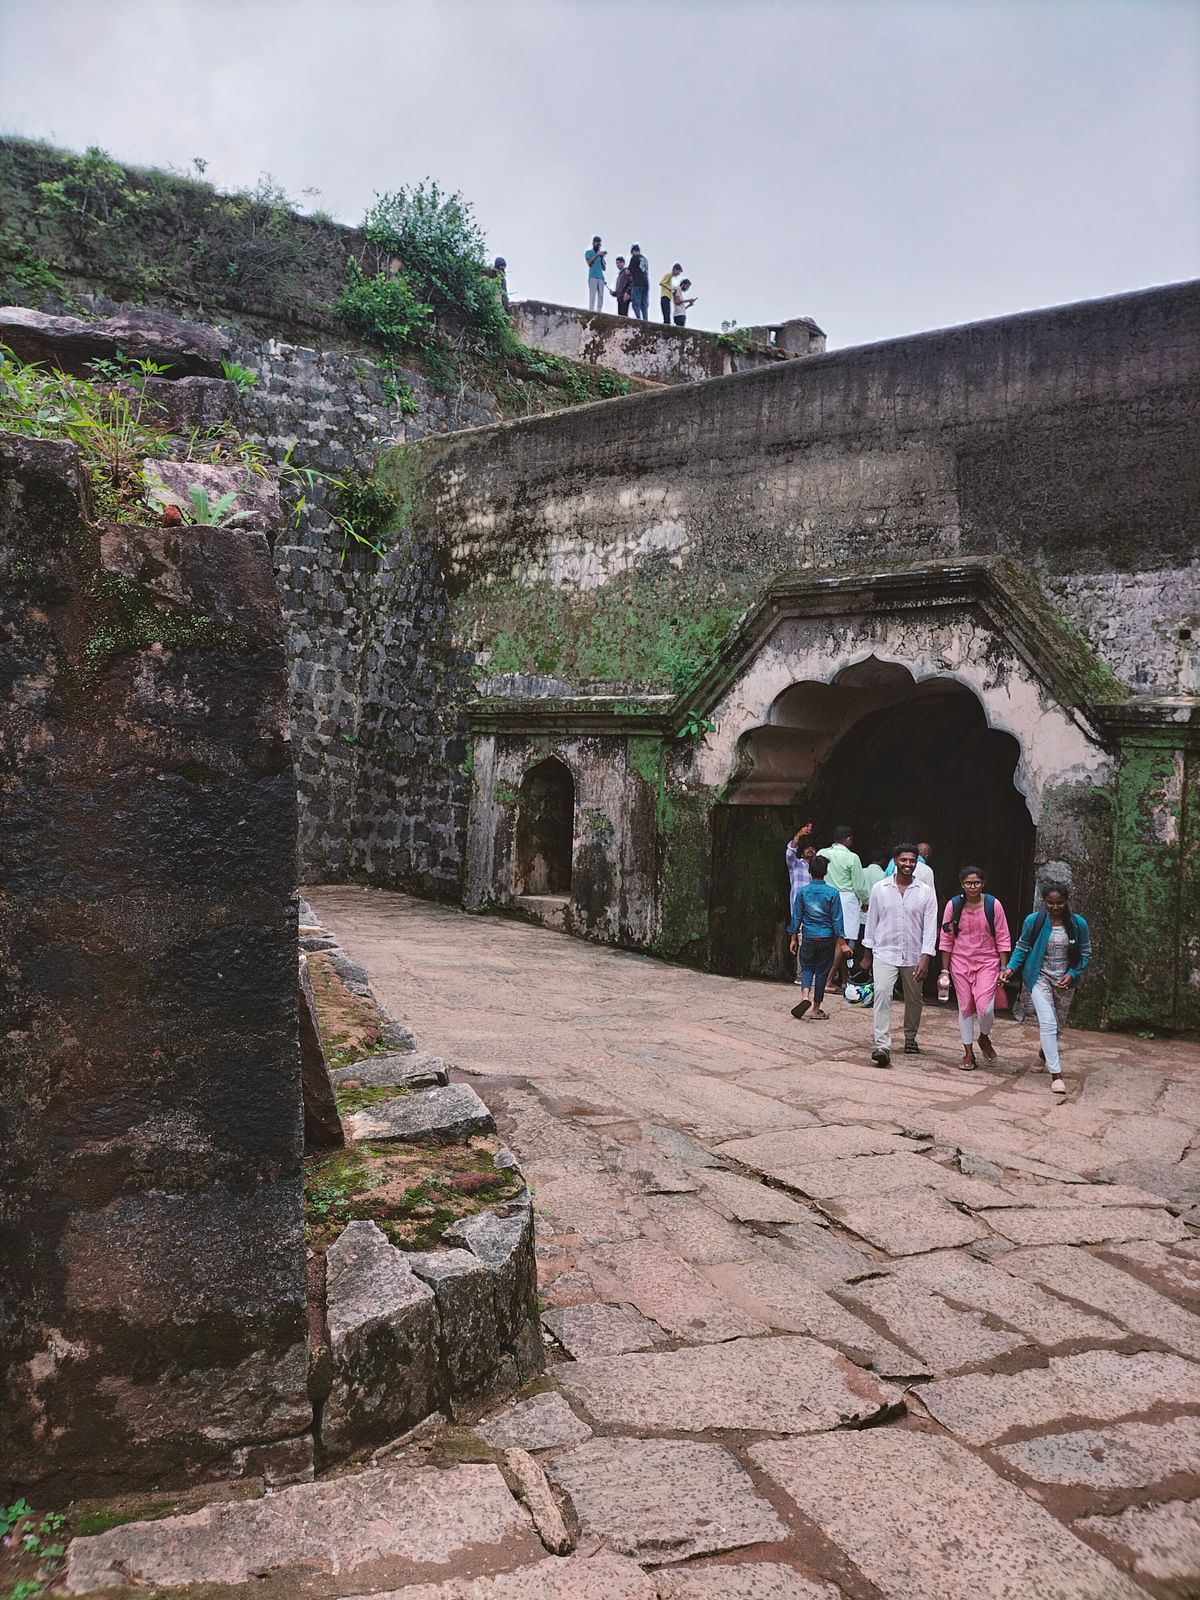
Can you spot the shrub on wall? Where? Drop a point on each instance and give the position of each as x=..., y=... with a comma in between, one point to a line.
x=440, y=247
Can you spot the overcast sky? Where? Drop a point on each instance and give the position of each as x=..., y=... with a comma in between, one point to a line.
x=881, y=165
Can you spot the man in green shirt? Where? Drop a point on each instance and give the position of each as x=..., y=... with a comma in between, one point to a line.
x=845, y=874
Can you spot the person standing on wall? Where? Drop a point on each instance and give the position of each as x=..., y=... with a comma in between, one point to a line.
x=1052, y=955
x=846, y=875
x=621, y=292
x=500, y=271
x=666, y=291
x=899, y=942
x=682, y=303
x=974, y=943
x=596, y=259
x=815, y=932
x=798, y=854
x=639, y=283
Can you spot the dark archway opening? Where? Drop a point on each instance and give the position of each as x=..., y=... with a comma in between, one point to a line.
x=891, y=758
x=545, y=830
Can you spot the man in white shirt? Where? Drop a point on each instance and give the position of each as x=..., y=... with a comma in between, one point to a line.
x=924, y=872
x=899, y=941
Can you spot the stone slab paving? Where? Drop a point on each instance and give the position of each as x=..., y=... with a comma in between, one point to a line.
x=670, y=1292
x=1129, y=1455
x=787, y=1298
x=719, y=1186
x=543, y=1422
x=783, y=1385
x=1088, y=1225
x=700, y=1235
x=386, y=1520
x=1160, y=1541
x=907, y=1223
x=1096, y=1383
x=764, y=1580
x=588, y=1204
x=664, y=1500
x=602, y=1576
x=944, y=1336
x=750, y=1201
x=923, y=1519
x=1027, y=1307
x=595, y=1329
x=1079, y=1276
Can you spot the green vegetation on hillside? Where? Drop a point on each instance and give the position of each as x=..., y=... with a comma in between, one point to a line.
x=413, y=281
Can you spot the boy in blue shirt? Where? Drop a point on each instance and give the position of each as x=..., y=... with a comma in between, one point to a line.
x=816, y=930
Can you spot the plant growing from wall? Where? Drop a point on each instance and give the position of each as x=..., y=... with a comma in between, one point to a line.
x=201, y=511
x=440, y=246
x=92, y=194
x=695, y=727
x=113, y=423
x=734, y=339
x=397, y=391
x=385, y=310
x=240, y=375
x=366, y=511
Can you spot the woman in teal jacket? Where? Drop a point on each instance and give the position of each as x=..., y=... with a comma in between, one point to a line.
x=1051, y=954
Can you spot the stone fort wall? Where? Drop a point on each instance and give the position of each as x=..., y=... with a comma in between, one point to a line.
x=1064, y=439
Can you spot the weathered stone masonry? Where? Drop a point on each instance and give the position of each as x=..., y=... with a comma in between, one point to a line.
x=1063, y=441
x=152, y=1320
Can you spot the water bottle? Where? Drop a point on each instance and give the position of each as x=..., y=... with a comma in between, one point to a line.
x=943, y=987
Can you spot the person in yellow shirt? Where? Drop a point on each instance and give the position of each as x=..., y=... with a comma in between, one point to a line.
x=666, y=289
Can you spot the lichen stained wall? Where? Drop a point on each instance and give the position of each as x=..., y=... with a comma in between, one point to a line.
x=1065, y=438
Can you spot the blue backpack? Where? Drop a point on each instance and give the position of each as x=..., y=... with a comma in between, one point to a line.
x=956, y=911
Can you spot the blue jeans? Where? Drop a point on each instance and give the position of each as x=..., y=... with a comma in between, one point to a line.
x=640, y=301
x=816, y=958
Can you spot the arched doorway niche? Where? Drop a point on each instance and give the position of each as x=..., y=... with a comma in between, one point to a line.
x=545, y=831
x=891, y=757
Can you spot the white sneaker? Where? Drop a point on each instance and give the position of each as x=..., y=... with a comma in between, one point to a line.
x=1057, y=1084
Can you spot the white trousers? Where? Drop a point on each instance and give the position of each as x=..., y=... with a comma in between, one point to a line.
x=596, y=287
x=1051, y=1006
x=884, y=978
x=851, y=913
x=966, y=1025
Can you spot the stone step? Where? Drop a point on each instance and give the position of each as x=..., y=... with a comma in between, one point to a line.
x=399, y=1070
x=448, y=1114
x=386, y=1526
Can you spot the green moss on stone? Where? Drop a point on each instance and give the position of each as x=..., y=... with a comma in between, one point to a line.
x=635, y=632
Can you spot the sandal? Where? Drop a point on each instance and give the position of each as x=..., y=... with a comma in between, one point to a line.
x=799, y=1010
x=819, y=1016
x=968, y=1062
x=988, y=1048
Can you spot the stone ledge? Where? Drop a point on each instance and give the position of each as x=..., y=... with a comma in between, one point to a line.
x=447, y=1114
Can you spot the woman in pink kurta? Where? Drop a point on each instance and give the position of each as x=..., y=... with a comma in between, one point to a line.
x=974, y=944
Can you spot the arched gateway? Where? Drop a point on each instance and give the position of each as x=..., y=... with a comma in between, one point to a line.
x=891, y=757
x=945, y=701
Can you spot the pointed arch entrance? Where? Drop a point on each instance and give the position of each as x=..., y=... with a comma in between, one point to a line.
x=888, y=756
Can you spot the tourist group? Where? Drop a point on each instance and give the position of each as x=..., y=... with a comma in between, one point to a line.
x=632, y=289
x=886, y=920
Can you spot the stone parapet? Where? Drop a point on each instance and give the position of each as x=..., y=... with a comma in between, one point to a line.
x=646, y=350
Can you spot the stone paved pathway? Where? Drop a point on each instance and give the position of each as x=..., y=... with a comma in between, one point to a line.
x=819, y=1330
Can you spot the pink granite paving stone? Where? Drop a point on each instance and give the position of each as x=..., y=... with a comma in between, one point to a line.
x=921, y=1518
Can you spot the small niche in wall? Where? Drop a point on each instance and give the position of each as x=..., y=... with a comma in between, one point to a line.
x=545, y=830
